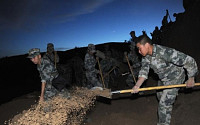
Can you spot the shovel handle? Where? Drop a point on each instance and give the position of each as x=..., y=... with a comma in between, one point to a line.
x=157, y=88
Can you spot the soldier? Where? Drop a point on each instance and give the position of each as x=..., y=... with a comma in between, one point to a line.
x=91, y=71
x=106, y=65
x=133, y=37
x=165, y=19
x=135, y=64
x=169, y=64
x=144, y=32
x=156, y=36
x=51, y=54
x=48, y=74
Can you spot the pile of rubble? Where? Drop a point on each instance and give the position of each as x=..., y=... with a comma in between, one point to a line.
x=58, y=111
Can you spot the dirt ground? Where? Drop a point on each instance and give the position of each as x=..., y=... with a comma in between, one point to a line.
x=143, y=111
x=124, y=109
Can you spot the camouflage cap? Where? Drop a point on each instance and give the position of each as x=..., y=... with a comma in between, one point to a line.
x=33, y=52
x=91, y=48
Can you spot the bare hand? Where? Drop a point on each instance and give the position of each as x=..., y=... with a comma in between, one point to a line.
x=135, y=89
x=190, y=82
x=41, y=99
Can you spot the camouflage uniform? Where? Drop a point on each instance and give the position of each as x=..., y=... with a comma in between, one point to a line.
x=136, y=64
x=47, y=73
x=91, y=72
x=106, y=65
x=51, y=54
x=169, y=64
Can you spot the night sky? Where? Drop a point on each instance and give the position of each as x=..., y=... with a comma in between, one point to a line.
x=26, y=24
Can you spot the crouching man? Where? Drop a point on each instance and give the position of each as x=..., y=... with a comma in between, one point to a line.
x=49, y=75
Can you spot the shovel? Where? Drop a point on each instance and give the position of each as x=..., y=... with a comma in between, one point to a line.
x=108, y=94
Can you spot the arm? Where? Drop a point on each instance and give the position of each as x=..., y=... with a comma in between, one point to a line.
x=42, y=92
x=45, y=74
x=138, y=84
x=187, y=62
x=143, y=75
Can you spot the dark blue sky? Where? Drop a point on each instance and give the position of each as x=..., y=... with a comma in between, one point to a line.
x=26, y=24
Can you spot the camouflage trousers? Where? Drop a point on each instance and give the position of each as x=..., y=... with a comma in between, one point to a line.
x=92, y=80
x=166, y=99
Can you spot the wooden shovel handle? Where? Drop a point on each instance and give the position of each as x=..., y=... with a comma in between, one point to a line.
x=157, y=88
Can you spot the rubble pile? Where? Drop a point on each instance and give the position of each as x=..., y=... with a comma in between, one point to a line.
x=59, y=110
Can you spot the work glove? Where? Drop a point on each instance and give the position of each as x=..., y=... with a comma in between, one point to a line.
x=190, y=82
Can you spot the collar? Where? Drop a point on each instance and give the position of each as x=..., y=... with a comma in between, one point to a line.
x=154, y=50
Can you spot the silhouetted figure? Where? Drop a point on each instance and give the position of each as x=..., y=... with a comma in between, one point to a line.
x=133, y=37
x=178, y=16
x=156, y=36
x=144, y=32
x=165, y=19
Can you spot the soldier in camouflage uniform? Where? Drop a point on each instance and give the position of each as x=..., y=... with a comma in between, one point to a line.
x=135, y=64
x=133, y=37
x=106, y=65
x=169, y=64
x=91, y=71
x=47, y=73
x=51, y=54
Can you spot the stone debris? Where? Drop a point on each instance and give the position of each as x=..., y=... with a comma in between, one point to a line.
x=59, y=110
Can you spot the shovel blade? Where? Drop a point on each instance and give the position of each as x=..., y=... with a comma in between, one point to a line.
x=106, y=93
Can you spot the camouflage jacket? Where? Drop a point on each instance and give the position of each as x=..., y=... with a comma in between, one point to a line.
x=168, y=63
x=47, y=70
x=136, y=63
x=89, y=63
x=52, y=57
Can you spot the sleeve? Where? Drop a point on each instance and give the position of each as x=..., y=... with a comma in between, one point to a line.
x=187, y=62
x=144, y=71
x=86, y=62
x=46, y=72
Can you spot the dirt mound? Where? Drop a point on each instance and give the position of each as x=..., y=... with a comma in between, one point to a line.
x=59, y=111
